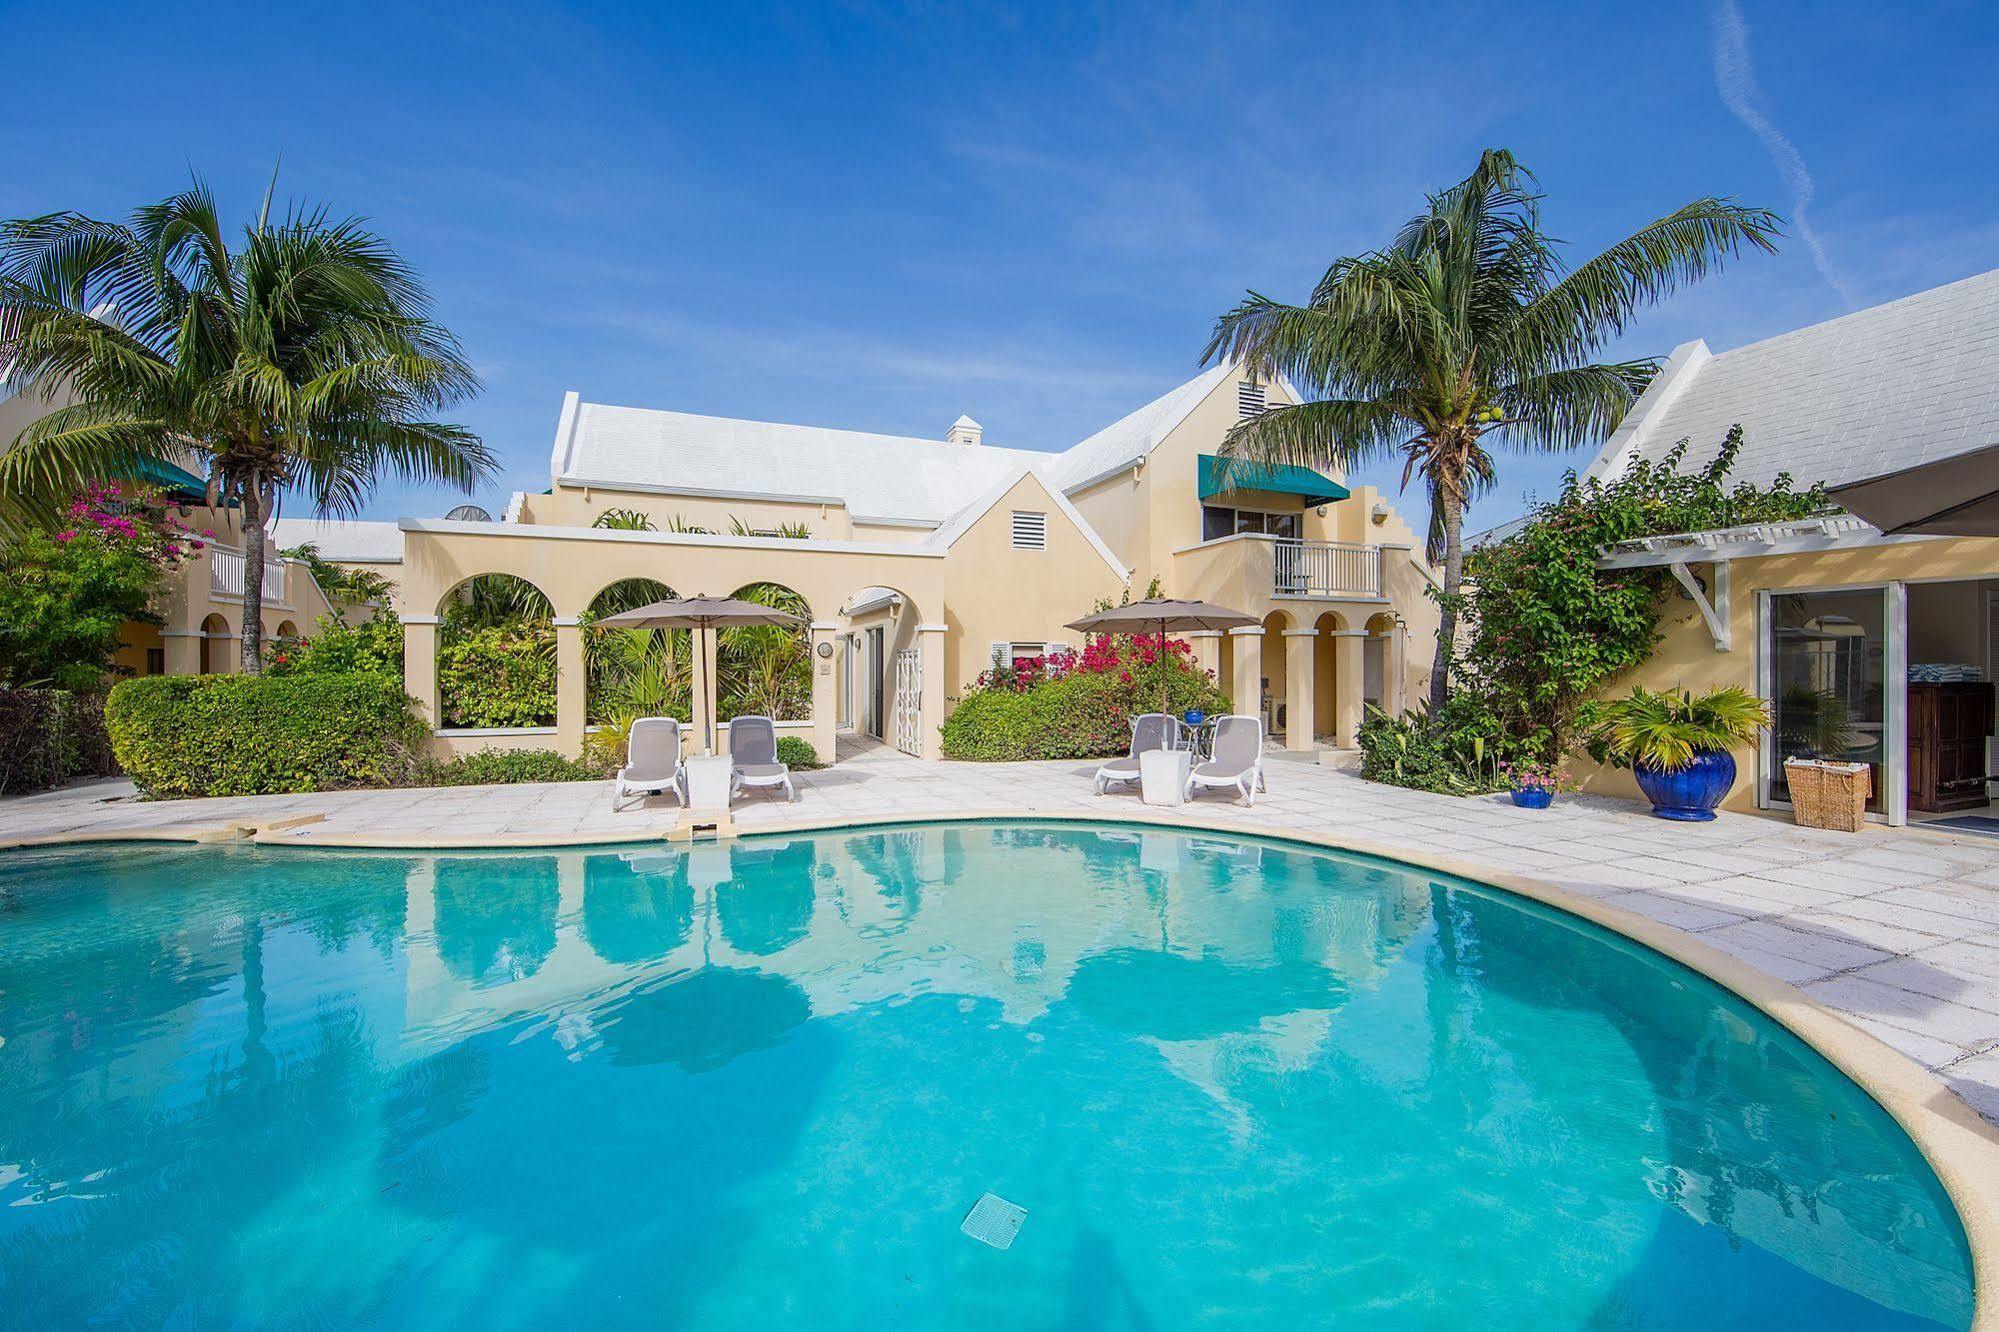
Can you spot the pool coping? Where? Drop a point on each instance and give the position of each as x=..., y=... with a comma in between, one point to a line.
x=1956, y=1141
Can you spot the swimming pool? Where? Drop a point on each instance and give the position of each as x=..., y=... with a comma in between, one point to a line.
x=1231, y=1083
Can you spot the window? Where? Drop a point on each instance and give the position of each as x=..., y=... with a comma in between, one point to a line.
x=1218, y=522
x=1249, y=398
x=156, y=661
x=1030, y=530
x=1015, y=651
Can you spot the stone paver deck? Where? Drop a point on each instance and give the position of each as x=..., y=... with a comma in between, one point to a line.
x=1896, y=930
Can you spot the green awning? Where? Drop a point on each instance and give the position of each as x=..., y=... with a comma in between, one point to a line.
x=1303, y=482
x=177, y=484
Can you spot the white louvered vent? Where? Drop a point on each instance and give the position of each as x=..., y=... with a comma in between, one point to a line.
x=1030, y=530
x=1249, y=398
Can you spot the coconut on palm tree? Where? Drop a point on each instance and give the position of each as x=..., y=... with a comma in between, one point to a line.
x=305, y=359
x=1468, y=324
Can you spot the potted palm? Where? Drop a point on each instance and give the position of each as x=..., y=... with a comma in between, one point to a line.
x=1677, y=744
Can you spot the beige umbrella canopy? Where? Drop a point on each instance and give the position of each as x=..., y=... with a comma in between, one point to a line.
x=1158, y=615
x=698, y=614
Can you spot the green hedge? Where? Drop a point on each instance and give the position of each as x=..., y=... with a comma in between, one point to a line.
x=796, y=752
x=505, y=766
x=220, y=735
x=1078, y=716
x=50, y=736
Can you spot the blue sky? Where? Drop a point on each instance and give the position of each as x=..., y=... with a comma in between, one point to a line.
x=878, y=217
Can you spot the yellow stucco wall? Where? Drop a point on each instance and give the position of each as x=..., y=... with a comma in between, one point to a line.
x=1686, y=657
x=999, y=594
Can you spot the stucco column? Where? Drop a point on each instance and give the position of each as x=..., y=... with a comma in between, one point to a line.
x=420, y=665
x=1349, y=645
x=930, y=638
x=1207, y=645
x=1247, y=644
x=183, y=650
x=570, y=680
x=1299, y=690
x=825, y=688
x=1395, y=688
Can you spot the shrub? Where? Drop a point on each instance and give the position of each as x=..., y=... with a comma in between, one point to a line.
x=505, y=766
x=203, y=735
x=1459, y=750
x=498, y=675
x=373, y=647
x=48, y=737
x=1075, y=712
x=797, y=753
x=1665, y=731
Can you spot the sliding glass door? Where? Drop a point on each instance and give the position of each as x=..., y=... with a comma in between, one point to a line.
x=1827, y=663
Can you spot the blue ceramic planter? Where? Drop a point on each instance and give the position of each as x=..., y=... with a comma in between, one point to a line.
x=1690, y=794
x=1533, y=797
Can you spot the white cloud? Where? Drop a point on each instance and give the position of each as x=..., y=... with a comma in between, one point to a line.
x=1735, y=78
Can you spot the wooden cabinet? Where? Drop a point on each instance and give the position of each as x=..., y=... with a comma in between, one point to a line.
x=1948, y=727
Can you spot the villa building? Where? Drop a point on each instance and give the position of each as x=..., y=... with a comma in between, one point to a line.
x=1869, y=646
x=926, y=560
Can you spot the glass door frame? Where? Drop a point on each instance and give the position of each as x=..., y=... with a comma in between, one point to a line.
x=1895, y=708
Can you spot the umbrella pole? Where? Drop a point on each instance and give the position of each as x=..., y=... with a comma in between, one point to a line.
x=1162, y=664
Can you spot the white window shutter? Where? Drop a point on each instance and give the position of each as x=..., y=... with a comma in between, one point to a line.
x=1001, y=655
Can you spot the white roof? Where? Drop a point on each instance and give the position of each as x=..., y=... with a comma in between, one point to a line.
x=1875, y=391
x=890, y=477
x=1127, y=440
x=343, y=541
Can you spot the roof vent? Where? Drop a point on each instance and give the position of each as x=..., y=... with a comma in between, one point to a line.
x=965, y=430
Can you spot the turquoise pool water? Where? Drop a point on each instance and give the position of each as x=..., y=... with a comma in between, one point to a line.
x=1233, y=1084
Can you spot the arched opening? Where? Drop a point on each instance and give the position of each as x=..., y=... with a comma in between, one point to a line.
x=1378, y=684
x=496, y=655
x=879, y=664
x=765, y=670
x=633, y=673
x=287, y=631
x=1276, y=679
x=215, y=640
x=1326, y=672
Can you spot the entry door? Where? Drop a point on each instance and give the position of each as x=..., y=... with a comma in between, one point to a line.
x=1829, y=660
x=876, y=669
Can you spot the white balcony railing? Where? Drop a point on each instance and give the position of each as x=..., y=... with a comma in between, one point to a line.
x=225, y=575
x=1325, y=569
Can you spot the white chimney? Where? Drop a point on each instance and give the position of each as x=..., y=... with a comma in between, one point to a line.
x=965, y=430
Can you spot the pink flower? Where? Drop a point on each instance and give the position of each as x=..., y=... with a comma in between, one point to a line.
x=66, y=537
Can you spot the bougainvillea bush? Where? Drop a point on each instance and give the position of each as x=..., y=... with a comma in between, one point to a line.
x=68, y=590
x=1076, y=704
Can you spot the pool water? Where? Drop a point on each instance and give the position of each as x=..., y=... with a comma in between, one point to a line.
x=1232, y=1084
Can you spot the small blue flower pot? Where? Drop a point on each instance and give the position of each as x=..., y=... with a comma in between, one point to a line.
x=1533, y=797
x=1195, y=717
x=1690, y=794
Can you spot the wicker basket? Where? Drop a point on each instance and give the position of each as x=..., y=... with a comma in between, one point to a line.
x=1829, y=795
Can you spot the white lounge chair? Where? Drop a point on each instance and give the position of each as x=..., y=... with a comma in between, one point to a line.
x=753, y=756
x=1237, y=759
x=1149, y=730
x=652, y=761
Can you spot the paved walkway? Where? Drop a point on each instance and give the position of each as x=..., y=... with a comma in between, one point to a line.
x=1898, y=931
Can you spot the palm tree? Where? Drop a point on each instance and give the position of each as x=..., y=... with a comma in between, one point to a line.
x=306, y=359
x=1468, y=323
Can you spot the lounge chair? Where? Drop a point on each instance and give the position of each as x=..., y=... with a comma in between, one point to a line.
x=1149, y=730
x=753, y=756
x=652, y=761
x=1237, y=760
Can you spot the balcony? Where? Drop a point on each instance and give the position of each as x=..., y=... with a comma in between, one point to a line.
x=1249, y=569
x=225, y=576
x=1324, y=569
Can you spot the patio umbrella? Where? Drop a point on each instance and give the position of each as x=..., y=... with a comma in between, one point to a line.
x=700, y=614
x=1158, y=615
x=1953, y=496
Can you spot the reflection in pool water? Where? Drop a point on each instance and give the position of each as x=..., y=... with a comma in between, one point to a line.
x=1233, y=1084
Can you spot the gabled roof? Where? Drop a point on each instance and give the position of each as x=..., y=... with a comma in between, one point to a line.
x=1875, y=391
x=1130, y=438
x=966, y=518
x=894, y=478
